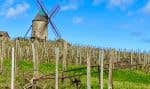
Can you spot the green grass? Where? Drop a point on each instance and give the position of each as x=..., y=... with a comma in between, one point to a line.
x=122, y=79
x=133, y=76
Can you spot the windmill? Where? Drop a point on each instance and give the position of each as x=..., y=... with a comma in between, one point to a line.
x=42, y=20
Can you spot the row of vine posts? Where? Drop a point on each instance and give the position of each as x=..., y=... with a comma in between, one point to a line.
x=61, y=52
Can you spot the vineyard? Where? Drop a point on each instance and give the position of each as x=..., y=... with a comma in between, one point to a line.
x=27, y=64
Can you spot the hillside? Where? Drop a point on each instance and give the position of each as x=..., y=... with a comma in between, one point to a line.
x=130, y=69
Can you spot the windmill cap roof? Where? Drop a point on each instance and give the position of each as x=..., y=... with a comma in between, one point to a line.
x=41, y=16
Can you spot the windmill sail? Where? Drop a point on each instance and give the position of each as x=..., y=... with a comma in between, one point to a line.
x=41, y=21
x=55, y=30
x=54, y=11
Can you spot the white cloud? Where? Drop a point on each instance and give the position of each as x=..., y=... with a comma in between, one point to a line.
x=10, y=2
x=15, y=11
x=13, y=8
x=146, y=8
x=125, y=26
x=146, y=40
x=97, y=2
x=122, y=4
x=69, y=7
x=77, y=20
x=136, y=34
x=129, y=13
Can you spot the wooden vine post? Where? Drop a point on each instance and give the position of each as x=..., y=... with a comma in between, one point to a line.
x=118, y=58
x=35, y=61
x=64, y=61
x=144, y=56
x=13, y=70
x=1, y=57
x=17, y=49
x=110, y=80
x=64, y=56
x=88, y=72
x=148, y=58
x=16, y=55
x=131, y=58
x=139, y=56
x=20, y=52
x=57, y=60
x=80, y=57
x=101, y=61
x=35, y=64
x=77, y=58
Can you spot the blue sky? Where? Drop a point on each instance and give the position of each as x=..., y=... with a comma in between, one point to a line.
x=104, y=23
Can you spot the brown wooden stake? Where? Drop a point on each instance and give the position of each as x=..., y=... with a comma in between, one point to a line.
x=64, y=61
x=131, y=58
x=16, y=55
x=64, y=56
x=101, y=58
x=13, y=70
x=144, y=59
x=110, y=82
x=88, y=72
x=77, y=58
x=4, y=50
x=57, y=60
x=118, y=56
x=148, y=58
x=124, y=53
x=139, y=57
x=35, y=64
x=80, y=57
x=34, y=60
x=2, y=58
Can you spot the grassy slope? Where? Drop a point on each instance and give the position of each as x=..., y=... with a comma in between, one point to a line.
x=123, y=79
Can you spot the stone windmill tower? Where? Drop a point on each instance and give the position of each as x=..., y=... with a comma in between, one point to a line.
x=41, y=22
x=40, y=26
